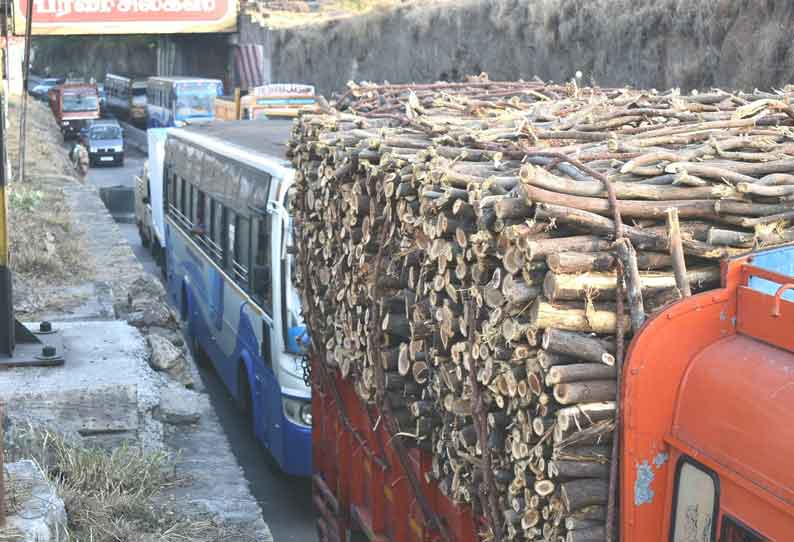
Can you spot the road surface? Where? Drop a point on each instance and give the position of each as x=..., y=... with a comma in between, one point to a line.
x=286, y=502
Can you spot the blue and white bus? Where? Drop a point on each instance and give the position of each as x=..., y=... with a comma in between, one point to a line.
x=229, y=265
x=179, y=101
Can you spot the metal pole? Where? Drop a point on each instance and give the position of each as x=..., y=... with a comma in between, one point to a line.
x=237, y=106
x=7, y=336
x=26, y=67
x=2, y=471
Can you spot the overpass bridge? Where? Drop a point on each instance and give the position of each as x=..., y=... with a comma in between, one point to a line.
x=194, y=37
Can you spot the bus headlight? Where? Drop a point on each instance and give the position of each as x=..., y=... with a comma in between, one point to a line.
x=298, y=411
x=306, y=414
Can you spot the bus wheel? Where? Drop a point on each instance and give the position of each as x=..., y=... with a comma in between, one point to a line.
x=243, y=392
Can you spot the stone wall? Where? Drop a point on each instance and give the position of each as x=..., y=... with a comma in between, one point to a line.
x=645, y=43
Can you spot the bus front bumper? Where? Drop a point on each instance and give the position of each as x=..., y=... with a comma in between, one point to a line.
x=294, y=456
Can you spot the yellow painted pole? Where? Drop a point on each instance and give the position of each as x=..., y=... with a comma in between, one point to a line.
x=237, y=105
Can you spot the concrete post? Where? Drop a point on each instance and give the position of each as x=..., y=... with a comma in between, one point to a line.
x=16, y=53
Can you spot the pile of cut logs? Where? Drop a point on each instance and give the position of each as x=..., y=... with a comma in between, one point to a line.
x=462, y=261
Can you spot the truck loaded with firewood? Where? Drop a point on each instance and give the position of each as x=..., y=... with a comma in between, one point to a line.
x=540, y=312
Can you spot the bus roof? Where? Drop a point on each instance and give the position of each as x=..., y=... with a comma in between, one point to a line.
x=266, y=137
x=135, y=78
x=182, y=79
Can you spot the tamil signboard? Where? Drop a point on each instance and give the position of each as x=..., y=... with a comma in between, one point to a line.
x=84, y=17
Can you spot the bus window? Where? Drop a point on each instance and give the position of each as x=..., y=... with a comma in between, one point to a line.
x=230, y=225
x=180, y=198
x=695, y=503
x=262, y=265
x=191, y=210
x=217, y=224
x=242, y=248
x=199, y=213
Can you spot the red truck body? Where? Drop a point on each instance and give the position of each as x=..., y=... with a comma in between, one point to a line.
x=709, y=384
x=74, y=105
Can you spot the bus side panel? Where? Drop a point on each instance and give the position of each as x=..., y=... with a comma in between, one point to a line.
x=158, y=116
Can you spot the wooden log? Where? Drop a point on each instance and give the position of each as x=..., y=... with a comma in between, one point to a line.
x=585, y=391
x=546, y=315
x=677, y=252
x=577, y=469
x=633, y=282
x=693, y=208
x=577, y=494
x=594, y=512
x=601, y=285
x=544, y=488
x=583, y=415
x=578, y=262
x=396, y=324
x=541, y=178
x=542, y=248
x=588, y=534
x=517, y=292
x=547, y=359
x=579, y=372
x=579, y=345
x=642, y=239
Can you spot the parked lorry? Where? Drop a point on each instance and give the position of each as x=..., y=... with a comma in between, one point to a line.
x=707, y=439
x=74, y=105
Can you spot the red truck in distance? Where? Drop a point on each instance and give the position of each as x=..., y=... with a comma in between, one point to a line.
x=74, y=104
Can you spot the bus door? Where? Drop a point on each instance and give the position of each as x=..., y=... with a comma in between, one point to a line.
x=268, y=392
x=266, y=388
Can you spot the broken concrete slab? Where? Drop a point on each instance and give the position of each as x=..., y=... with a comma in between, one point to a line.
x=179, y=406
x=169, y=359
x=105, y=387
x=36, y=512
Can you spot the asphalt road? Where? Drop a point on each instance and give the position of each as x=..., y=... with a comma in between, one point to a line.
x=286, y=502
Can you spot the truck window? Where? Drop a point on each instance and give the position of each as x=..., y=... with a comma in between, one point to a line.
x=696, y=501
x=733, y=531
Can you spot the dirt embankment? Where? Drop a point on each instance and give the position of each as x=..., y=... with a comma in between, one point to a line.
x=644, y=43
x=45, y=249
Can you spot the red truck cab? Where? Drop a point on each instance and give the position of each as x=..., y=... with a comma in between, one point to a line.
x=74, y=104
x=708, y=453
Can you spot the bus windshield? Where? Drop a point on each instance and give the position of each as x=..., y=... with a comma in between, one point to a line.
x=194, y=104
x=80, y=102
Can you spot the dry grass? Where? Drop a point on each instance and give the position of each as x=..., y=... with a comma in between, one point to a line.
x=110, y=495
x=45, y=249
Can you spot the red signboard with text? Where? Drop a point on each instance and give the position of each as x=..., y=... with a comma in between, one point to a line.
x=70, y=17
